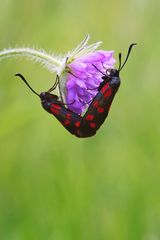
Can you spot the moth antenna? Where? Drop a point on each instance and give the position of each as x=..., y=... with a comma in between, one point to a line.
x=24, y=80
x=129, y=51
x=120, y=61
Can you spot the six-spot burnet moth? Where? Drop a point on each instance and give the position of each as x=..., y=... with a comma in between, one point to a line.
x=86, y=125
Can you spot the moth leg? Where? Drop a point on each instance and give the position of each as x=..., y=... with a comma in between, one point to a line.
x=54, y=85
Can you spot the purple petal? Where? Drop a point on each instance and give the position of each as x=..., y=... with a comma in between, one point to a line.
x=78, y=66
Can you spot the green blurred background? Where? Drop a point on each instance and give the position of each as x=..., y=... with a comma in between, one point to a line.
x=54, y=186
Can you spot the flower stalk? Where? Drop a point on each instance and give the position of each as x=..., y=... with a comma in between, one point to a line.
x=53, y=64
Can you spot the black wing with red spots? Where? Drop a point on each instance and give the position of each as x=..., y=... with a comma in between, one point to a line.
x=98, y=109
x=70, y=120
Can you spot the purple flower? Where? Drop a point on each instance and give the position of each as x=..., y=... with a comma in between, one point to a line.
x=84, y=77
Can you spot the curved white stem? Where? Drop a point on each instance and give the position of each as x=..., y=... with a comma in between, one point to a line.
x=50, y=62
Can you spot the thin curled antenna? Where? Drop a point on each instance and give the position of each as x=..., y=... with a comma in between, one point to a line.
x=24, y=80
x=129, y=51
x=120, y=61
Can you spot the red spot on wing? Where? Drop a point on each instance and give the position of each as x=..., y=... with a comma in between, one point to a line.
x=92, y=125
x=89, y=117
x=68, y=115
x=54, y=111
x=77, y=124
x=95, y=104
x=67, y=122
x=104, y=88
x=56, y=106
x=100, y=109
x=108, y=93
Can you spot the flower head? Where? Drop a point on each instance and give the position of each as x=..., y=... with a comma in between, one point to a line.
x=84, y=76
